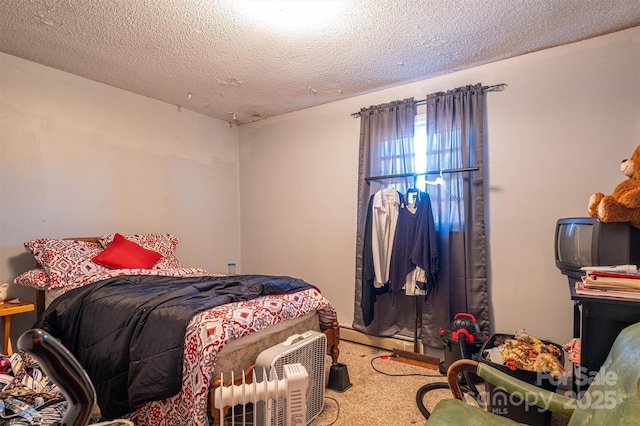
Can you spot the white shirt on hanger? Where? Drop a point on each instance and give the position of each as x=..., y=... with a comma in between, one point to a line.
x=386, y=204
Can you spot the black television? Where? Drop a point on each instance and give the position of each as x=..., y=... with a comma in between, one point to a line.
x=586, y=241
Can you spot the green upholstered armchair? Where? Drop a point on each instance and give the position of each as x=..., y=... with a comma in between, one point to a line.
x=613, y=398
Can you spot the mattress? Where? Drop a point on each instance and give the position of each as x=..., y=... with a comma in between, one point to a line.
x=239, y=354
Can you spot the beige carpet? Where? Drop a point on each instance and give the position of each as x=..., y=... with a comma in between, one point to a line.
x=377, y=399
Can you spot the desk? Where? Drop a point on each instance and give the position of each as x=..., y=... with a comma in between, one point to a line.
x=6, y=311
x=601, y=320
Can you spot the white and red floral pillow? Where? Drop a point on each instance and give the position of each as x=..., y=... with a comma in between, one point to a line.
x=37, y=246
x=64, y=261
x=165, y=244
x=35, y=278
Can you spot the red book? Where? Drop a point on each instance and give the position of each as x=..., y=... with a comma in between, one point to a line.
x=631, y=275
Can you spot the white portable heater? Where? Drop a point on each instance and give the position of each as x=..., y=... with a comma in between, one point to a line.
x=308, y=349
x=291, y=389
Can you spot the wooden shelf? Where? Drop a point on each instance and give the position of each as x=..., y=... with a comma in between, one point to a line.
x=6, y=311
x=7, y=308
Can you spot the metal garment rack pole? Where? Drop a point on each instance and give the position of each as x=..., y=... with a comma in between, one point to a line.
x=418, y=306
x=432, y=172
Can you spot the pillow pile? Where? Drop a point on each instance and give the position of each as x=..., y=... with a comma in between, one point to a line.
x=61, y=262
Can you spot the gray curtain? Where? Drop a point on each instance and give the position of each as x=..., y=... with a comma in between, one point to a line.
x=454, y=124
x=386, y=148
x=454, y=140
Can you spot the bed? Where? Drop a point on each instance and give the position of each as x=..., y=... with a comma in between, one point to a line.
x=216, y=339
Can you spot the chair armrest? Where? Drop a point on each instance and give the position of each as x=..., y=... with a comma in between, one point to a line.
x=457, y=367
x=532, y=394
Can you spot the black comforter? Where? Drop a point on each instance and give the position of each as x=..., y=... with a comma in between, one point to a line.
x=128, y=332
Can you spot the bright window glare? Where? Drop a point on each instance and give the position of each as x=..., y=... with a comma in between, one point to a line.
x=292, y=14
x=420, y=149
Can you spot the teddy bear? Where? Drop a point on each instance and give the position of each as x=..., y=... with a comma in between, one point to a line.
x=623, y=205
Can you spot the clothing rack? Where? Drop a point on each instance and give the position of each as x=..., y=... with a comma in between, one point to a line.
x=418, y=306
x=494, y=88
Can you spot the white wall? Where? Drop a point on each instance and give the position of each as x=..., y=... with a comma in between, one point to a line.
x=80, y=158
x=555, y=135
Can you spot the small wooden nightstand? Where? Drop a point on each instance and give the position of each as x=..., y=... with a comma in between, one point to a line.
x=6, y=310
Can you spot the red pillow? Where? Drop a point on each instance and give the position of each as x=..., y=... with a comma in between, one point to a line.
x=125, y=254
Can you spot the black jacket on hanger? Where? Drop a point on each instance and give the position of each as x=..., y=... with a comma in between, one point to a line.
x=414, y=244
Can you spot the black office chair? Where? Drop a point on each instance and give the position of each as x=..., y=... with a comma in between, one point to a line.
x=66, y=372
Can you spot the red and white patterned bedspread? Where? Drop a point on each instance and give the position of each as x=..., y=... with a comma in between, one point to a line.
x=206, y=335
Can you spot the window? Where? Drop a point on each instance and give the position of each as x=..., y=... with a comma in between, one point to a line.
x=429, y=156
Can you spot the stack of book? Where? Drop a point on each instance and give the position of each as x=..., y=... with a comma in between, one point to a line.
x=612, y=282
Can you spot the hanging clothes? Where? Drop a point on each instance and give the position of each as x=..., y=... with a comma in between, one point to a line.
x=414, y=283
x=385, y=208
x=414, y=258
x=379, y=233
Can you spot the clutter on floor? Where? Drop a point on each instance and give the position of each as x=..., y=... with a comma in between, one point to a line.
x=525, y=352
x=28, y=396
x=528, y=359
x=524, y=356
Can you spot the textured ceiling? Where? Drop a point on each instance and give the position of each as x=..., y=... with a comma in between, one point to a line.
x=210, y=56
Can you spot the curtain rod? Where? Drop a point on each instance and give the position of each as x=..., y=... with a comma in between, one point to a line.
x=432, y=172
x=494, y=88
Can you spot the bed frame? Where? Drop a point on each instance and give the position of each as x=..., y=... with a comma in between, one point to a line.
x=332, y=332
